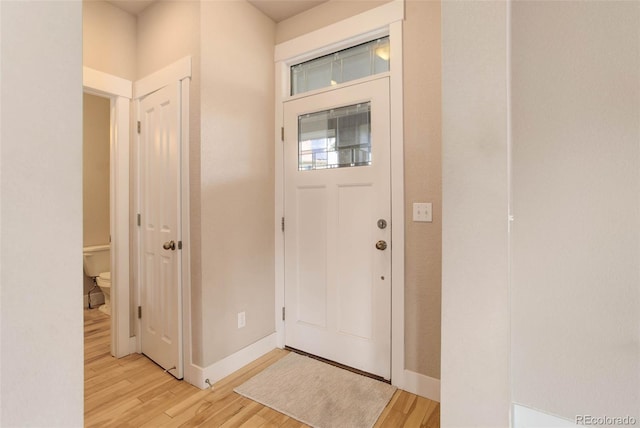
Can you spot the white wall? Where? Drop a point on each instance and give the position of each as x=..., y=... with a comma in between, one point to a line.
x=320, y=16
x=576, y=201
x=422, y=163
x=231, y=162
x=237, y=161
x=167, y=31
x=95, y=177
x=41, y=214
x=422, y=82
x=562, y=334
x=95, y=170
x=109, y=39
x=475, y=299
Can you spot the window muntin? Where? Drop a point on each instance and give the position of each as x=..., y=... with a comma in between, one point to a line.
x=335, y=138
x=353, y=63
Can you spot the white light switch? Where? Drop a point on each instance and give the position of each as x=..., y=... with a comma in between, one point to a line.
x=422, y=211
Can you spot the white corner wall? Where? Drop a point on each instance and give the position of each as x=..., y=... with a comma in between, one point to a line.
x=524, y=417
x=475, y=299
x=576, y=201
x=541, y=110
x=109, y=39
x=237, y=177
x=41, y=372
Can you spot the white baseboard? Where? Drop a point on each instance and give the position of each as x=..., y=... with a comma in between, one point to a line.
x=525, y=417
x=233, y=362
x=419, y=384
x=97, y=299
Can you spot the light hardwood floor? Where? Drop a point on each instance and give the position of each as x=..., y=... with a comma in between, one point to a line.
x=135, y=392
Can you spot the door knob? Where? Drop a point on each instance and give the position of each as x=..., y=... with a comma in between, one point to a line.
x=169, y=245
x=381, y=245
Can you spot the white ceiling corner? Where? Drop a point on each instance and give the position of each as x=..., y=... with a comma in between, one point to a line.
x=279, y=10
x=133, y=7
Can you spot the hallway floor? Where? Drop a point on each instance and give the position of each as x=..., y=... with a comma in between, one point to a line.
x=135, y=392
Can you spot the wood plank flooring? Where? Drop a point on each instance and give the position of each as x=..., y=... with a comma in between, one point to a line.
x=135, y=392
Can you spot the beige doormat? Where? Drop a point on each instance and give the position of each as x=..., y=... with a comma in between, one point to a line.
x=318, y=394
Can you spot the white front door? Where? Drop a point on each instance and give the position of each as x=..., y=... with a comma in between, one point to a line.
x=159, y=178
x=338, y=226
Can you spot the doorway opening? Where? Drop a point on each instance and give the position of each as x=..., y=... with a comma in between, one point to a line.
x=118, y=93
x=124, y=243
x=375, y=25
x=96, y=194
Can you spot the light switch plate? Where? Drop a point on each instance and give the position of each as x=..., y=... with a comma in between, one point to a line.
x=422, y=211
x=242, y=320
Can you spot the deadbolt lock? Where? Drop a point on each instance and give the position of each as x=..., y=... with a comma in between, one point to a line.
x=382, y=223
x=381, y=245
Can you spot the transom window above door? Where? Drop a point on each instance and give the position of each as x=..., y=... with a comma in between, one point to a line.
x=353, y=63
x=335, y=138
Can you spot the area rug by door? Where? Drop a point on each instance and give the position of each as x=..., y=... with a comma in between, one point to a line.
x=318, y=394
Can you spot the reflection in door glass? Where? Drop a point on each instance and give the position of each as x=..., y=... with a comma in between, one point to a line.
x=335, y=138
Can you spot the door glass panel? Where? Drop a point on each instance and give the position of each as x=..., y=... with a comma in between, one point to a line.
x=349, y=64
x=335, y=138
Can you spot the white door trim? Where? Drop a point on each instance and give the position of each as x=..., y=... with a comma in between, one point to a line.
x=340, y=35
x=103, y=84
x=190, y=371
x=385, y=19
x=397, y=207
x=119, y=92
x=179, y=71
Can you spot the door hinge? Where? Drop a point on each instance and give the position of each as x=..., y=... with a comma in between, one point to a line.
x=179, y=245
x=139, y=312
x=282, y=133
x=283, y=313
x=139, y=127
x=282, y=224
x=139, y=220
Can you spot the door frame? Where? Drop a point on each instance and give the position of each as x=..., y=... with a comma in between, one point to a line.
x=380, y=21
x=119, y=92
x=177, y=73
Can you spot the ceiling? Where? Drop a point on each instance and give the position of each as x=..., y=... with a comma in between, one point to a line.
x=278, y=10
x=134, y=7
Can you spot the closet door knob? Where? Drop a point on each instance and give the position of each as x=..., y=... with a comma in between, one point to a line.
x=169, y=245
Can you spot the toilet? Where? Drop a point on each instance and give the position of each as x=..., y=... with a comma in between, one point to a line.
x=104, y=282
x=97, y=263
